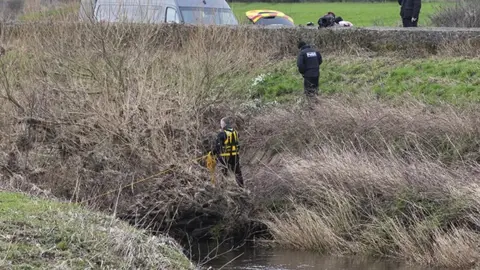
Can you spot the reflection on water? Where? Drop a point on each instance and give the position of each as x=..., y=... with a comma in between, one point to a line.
x=249, y=258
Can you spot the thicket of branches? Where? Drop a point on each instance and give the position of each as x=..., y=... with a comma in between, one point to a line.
x=464, y=13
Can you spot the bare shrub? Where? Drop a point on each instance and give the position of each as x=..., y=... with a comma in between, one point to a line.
x=464, y=13
x=94, y=108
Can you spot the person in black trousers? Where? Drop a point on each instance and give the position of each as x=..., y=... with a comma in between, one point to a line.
x=308, y=63
x=409, y=11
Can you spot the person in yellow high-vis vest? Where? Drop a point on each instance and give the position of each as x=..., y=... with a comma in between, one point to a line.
x=227, y=150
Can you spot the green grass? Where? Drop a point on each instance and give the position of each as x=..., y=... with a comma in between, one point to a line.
x=41, y=234
x=360, y=14
x=455, y=81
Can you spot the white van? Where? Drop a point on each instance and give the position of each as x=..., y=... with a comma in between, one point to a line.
x=216, y=12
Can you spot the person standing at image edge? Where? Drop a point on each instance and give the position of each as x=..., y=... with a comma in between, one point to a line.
x=308, y=63
x=409, y=11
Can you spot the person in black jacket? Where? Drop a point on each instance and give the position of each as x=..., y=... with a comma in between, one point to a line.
x=327, y=20
x=409, y=11
x=308, y=63
x=227, y=150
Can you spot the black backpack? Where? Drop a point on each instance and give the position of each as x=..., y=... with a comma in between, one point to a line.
x=327, y=20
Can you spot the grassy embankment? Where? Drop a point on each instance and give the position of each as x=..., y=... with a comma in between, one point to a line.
x=44, y=234
x=433, y=80
x=360, y=14
x=91, y=108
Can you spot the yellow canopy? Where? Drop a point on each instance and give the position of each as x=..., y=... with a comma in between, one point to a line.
x=255, y=15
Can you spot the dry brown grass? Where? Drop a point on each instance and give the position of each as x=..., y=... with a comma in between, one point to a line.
x=88, y=94
x=88, y=109
x=33, y=6
x=344, y=201
x=373, y=179
x=403, y=127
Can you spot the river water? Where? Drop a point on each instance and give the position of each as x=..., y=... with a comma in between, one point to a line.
x=249, y=258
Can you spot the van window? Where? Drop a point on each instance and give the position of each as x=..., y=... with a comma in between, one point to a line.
x=128, y=13
x=202, y=15
x=171, y=15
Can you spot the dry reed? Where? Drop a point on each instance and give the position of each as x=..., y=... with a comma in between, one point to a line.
x=90, y=108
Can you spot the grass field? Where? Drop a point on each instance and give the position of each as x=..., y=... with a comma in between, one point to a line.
x=360, y=14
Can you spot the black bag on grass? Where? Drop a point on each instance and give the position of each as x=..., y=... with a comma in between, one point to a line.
x=328, y=20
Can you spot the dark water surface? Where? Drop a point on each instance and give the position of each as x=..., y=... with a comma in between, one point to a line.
x=249, y=258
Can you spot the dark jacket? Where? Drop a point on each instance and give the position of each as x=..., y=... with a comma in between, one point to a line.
x=220, y=142
x=327, y=20
x=309, y=61
x=410, y=8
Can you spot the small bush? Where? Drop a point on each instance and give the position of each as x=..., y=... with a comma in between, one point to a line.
x=465, y=13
